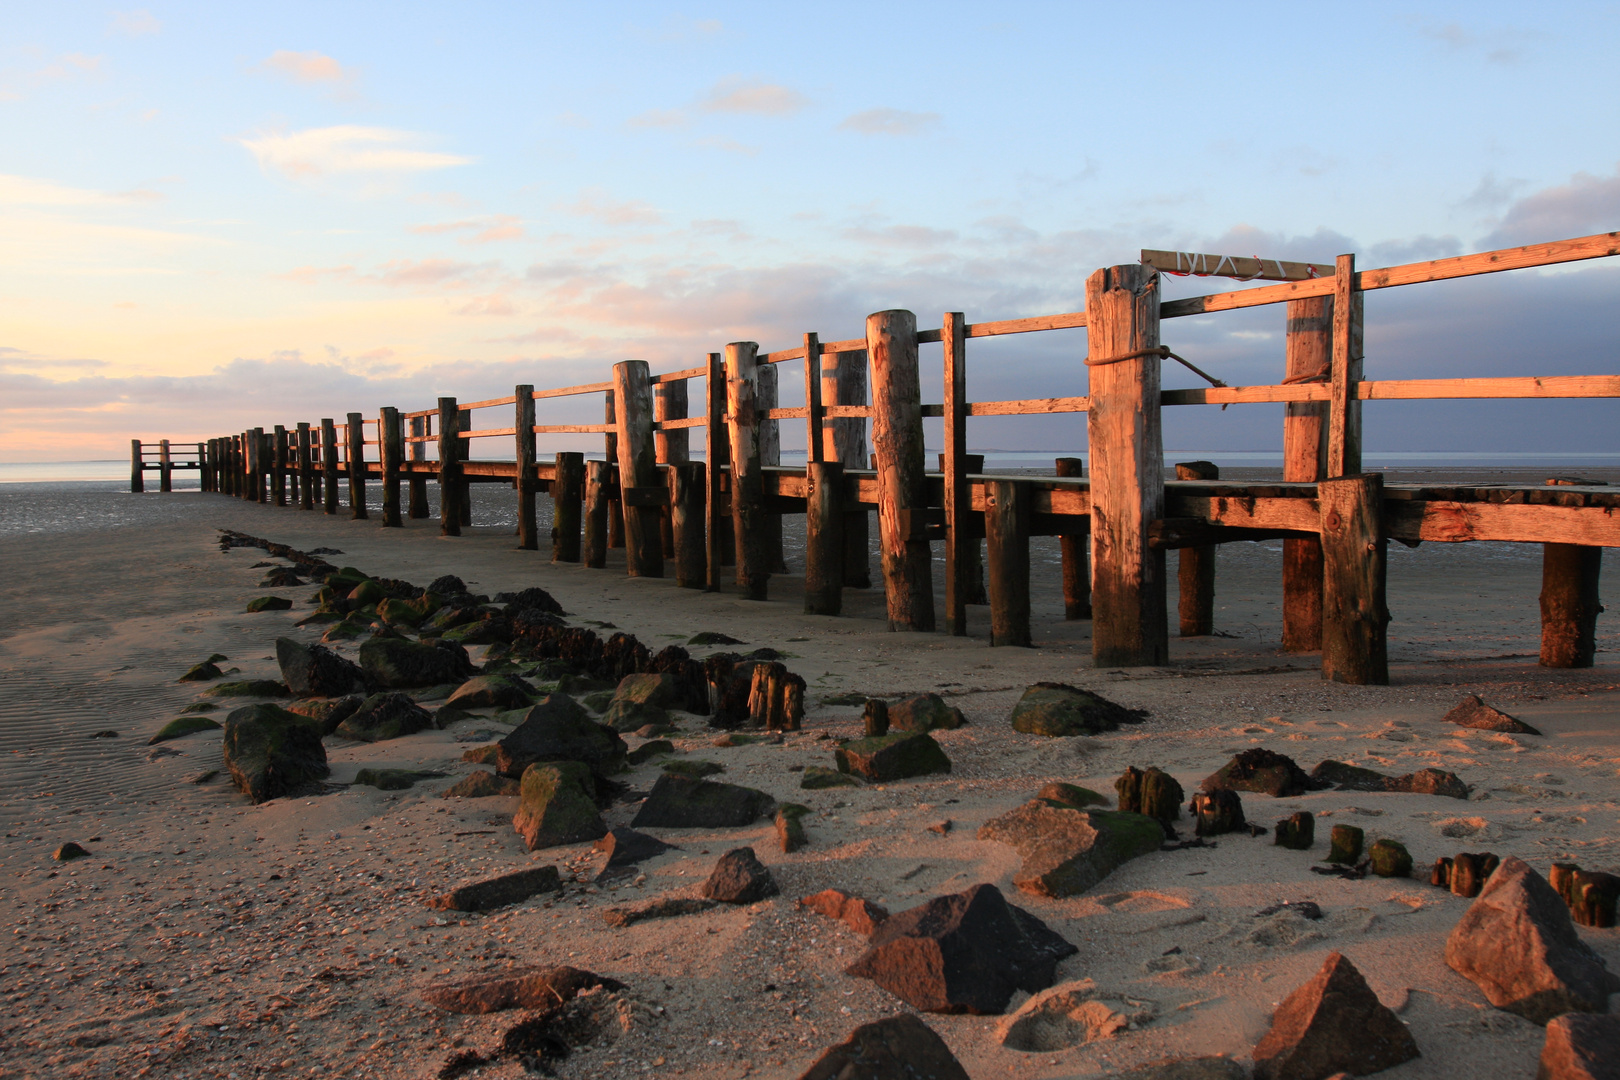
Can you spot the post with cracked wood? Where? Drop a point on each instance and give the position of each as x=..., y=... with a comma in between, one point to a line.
x=418, y=452
x=686, y=518
x=278, y=459
x=1129, y=624
x=306, y=472
x=843, y=383
x=1355, y=615
x=463, y=454
x=1570, y=603
x=137, y=470
x=1006, y=531
x=824, y=538
x=527, y=480
x=329, y=465
x=390, y=452
x=1196, y=567
x=567, y=502
x=1075, y=550
x=897, y=440
x=747, y=482
x=261, y=465
x=610, y=450
x=961, y=539
x=449, y=468
x=596, y=514
x=715, y=454
x=641, y=490
x=356, y=442
x=770, y=453
x=1309, y=353
x=165, y=466
x=671, y=448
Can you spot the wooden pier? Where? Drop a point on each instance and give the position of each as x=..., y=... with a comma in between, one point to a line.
x=717, y=523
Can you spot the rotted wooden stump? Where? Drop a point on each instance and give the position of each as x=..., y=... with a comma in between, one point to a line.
x=876, y=717
x=1153, y=792
x=1590, y=895
x=1389, y=858
x=1345, y=844
x=1469, y=872
x=776, y=698
x=1297, y=831
x=1216, y=812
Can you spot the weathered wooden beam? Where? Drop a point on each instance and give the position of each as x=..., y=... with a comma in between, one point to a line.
x=329, y=465
x=897, y=439
x=1129, y=626
x=638, y=469
x=686, y=518
x=596, y=514
x=1195, y=570
x=961, y=541
x=418, y=483
x=1075, y=551
x=1344, y=402
x=1006, y=530
x=1309, y=355
x=716, y=451
x=747, y=492
x=567, y=501
x=1355, y=615
x=451, y=487
x=1455, y=522
x=390, y=455
x=524, y=451
x=824, y=538
x=1245, y=268
x=1175, y=534
x=843, y=386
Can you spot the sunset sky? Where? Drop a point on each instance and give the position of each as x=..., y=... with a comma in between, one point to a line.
x=216, y=215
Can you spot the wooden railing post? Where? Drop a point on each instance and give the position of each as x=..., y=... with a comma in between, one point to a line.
x=281, y=459
x=686, y=506
x=165, y=467
x=356, y=440
x=1075, y=550
x=1355, y=617
x=306, y=489
x=205, y=465
x=528, y=481
x=640, y=489
x=843, y=382
x=1129, y=627
x=390, y=453
x=596, y=513
x=672, y=448
x=1196, y=567
x=767, y=398
x=961, y=540
x=449, y=468
x=567, y=496
x=418, y=483
x=227, y=466
x=715, y=454
x=1570, y=603
x=610, y=451
x=329, y=465
x=824, y=538
x=1006, y=530
x=463, y=454
x=1309, y=350
x=137, y=468
x=261, y=464
x=747, y=482
x=1344, y=407
x=897, y=440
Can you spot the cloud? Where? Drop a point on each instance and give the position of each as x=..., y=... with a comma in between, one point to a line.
x=889, y=122
x=414, y=273
x=903, y=236
x=593, y=203
x=730, y=146
x=487, y=230
x=346, y=148
x=496, y=304
x=1587, y=204
x=26, y=191
x=137, y=23
x=308, y=67
x=658, y=118
x=753, y=96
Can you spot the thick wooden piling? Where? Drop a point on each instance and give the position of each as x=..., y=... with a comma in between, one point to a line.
x=329, y=465
x=567, y=499
x=642, y=492
x=747, y=483
x=610, y=448
x=1196, y=567
x=1355, y=616
x=686, y=515
x=1569, y=604
x=227, y=463
x=1129, y=627
x=596, y=514
x=961, y=540
x=137, y=468
x=1309, y=350
x=897, y=438
x=1074, y=550
x=463, y=453
x=306, y=472
x=279, y=462
x=355, y=443
x=716, y=451
x=824, y=538
x=527, y=481
x=843, y=383
x=450, y=487
x=770, y=453
x=166, y=466
x=418, y=483
x=1006, y=531
x=672, y=447
x=390, y=455
x=261, y=465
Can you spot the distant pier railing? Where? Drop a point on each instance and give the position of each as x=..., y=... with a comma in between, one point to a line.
x=1116, y=525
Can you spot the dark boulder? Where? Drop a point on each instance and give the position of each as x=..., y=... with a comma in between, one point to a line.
x=182, y=726
x=271, y=752
x=892, y=757
x=557, y=728
x=1472, y=712
x=1067, y=851
x=534, y=598
x=1333, y=1024
x=1297, y=831
x=558, y=805
x=447, y=585
x=1581, y=1046
x=1057, y=709
x=739, y=878
x=536, y=989
x=481, y=785
x=1389, y=858
x=498, y=892
x=268, y=603
x=1262, y=770
x=1216, y=812
x=394, y=663
x=1346, y=777
x=1153, y=792
x=925, y=713
x=1080, y=797
x=677, y=802
x=895, y=1048
x=1429, y=782
x=492, y=691
x=691, y=692
x=313, y=671
x=269, y=688
x=392, y=779
x=385, y=716
x=328, y=712
x=1345, y=843
x=857, y=913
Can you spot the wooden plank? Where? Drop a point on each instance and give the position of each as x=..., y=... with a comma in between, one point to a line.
x=574, y=429
x=897, y=440
x=638, y=468
x=1245, y=395
x=680, y=425
x=961, y=543
x=450, y=485
x=1308, y=349
x=1355, y=616
x=492, y=402
x=1029, y=406
x=1344, y=407
x=491, y=433
x=1544, y=386
x=680, y=376
x=792, y=412
x=573, y=391
x=747, y=494
x=715, y=452
x=1069, y=320
x=843, y=396
x=1006, y=531
x=1456, y=522
x=1195, y=569
x=1129, y=626
x=1244, y=268
x=1240, y=512
x=567, y=501
x=524, y=452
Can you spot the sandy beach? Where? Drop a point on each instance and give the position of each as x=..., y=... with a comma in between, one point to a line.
x=206, y=937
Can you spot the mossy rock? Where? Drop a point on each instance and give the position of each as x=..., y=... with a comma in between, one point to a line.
x=271, y=752
x=344, y=580
x=693, y=767
x=1071, y=795
x=492, y=691
x=395, y=663
x=482, y=755
x=927, y=712
x=406, y=613
x=736, y=738
x=268, y=603
x=558, y=805
x=392, y=779
x=200, y=707
x=203, y=672
x=817, y=777
x=319, y=618
x=250, y=688
x=712, y=637
x=649, y=750
x=680, y=802
x=345, y=630
x=598, y=702
x=368, y=592
x=183, y=726
x=1058, y=710
x=482, y=784
x=328, y=712
x=1067, y=851
x=1345, y=844
x=385, y=716
x=882, y=758
x=1389, y=858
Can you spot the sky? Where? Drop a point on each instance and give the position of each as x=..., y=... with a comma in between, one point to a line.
x=214, y=216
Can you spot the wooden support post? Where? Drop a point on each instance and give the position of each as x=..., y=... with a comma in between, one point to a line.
x=824, y=538
x=770, y=453
x=1006, y=530
x=261, y=464
x=715, y=454
x=961, y=539
x=567, y=496
x=1129, y=627
x=1344, y=407
x=1196, y=567
x=596, y=514
x=814, y=414
x=528, y=480
x=205, y=465
x=463, y=453
x=355, y=434
x=418, y=483
x=610, y=448
x=747, y=483
x=843, y=382
x=449, y=468
x=1355, y=616
x=227, y=466
x=281, y=465
x=641, y=489
x=672, y=448
x=390, y=455
x=137, y=468
x=897, y=439
x=165, y=467
x=1569, y=604
x=1076, y=553
x=1309, y=357
x=686, y=507
x=306, y=490
x=329, y=465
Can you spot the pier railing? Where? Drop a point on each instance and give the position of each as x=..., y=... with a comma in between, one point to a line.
x=651, y=498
